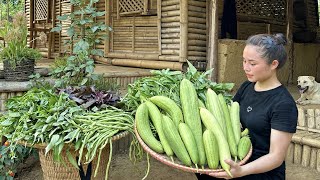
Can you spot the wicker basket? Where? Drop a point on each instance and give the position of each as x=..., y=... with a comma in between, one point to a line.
x=21, y=72
x=58, y=171
x=177, y=163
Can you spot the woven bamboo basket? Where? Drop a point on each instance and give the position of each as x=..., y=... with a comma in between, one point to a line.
x=21, y=72
x=177, y=163
x=58, y=171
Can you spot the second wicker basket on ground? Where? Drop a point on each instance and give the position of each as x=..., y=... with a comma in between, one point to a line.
x=58, y=171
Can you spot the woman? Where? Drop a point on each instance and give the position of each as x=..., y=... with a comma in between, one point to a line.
x=266, y=108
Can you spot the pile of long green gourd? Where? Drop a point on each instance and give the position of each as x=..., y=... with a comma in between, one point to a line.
x=198, y=133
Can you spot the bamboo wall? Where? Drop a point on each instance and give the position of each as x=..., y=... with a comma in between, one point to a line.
x=101, y=6
x=62, y=7
x=197, y=30
x=133, y=34
x=170, y=30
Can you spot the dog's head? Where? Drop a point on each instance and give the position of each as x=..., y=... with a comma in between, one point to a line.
x=305, y=83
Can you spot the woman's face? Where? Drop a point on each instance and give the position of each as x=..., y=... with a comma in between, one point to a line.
x=256, y=67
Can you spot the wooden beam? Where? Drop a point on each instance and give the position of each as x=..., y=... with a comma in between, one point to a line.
x=289, y=17
x=107, y=22
x=31, y=22
x=159, y=13
x=183, y=31
x=212, y=53
x=60, y=34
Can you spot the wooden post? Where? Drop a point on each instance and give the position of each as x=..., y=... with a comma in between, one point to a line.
x=118, y=9
x=212, y=53
x=82, y=29
x=31, y=22
x=60, y=34
x=53, y=24
x=133, y=32
x=159, y=24
x=289, y=16
x=145, y=7
x=107, y=22
x=183, y=31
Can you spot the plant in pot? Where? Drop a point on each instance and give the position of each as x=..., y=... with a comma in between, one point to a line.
x=18, y=59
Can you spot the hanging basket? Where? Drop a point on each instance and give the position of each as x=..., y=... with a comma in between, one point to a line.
x=53, y=170
x=20, y=72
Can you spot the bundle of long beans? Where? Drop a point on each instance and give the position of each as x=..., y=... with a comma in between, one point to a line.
x=98, y=128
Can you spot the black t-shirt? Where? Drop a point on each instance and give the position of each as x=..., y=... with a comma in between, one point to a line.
x=262, y=111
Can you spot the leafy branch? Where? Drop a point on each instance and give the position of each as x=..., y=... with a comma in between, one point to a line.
x=83, y=33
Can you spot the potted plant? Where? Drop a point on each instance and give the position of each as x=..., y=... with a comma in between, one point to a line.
x=18, y=59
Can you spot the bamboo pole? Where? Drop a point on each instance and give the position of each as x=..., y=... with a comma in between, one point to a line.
x=289, y=16
x=311, y=119
x=196, y=53
x=197, y=9
x=198, y=3
x=297, y=153
x=169, y=2
x=313, y=158
x=170, y=46
x=306, y=153
x=197, y=14
x=171, y=52
x=170, y=30
x=197, y=42
x=317, y=114
x=170, y=8
x=170, y=24
x=197, y=20
x=147, y=64
x=197, y=58
x=133, y=34
x=159, y=15
x=318, y=161
x=197, y=36
x=311, y=141
x=171, y=35
x=169, y=58
x=171, y=41
x=171, y=13
x=301, y=117
x=145, y=7
x=31, y=22
x=107, y=22
x=197, y=31
x=133, y=56
x=171, y=19
x=289, y=155
x=118, y=10
x=60, y=33
x=198, y=25
x=198, y=48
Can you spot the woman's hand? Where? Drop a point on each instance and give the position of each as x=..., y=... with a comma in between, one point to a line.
x=235, y=169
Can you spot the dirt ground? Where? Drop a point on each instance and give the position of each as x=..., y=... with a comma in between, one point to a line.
x=122, y=169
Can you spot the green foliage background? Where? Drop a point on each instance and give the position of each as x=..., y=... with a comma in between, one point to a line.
x=13, y=5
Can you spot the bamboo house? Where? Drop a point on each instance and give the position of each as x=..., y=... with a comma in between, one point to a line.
x=160, y=34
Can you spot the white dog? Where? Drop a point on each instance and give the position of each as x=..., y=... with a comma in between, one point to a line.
x=309, y=90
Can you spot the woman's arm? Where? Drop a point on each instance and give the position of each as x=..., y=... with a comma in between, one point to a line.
x=279, y=143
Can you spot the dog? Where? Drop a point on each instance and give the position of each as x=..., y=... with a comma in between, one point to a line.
x=309, y=90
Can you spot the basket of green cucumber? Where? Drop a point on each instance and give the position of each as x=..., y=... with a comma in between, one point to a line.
x=201, y=146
